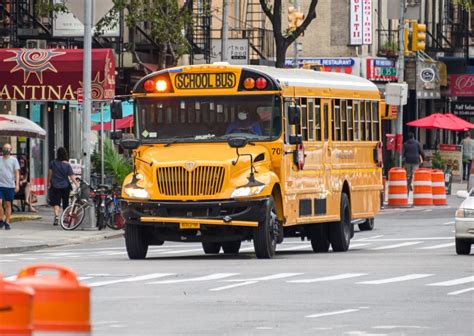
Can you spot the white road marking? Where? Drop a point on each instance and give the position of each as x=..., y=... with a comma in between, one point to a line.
x=233, y=286
x=373, y=237
x=357, y=245
x=396, y=279
x=388, y=247
x=448, y=223
x=245, y=249
x=345, y=311
x=389, y=327
x=293, y=248
x=215, y=276
x=268, y=277
x=10, y=278
x=454, y=282
x=180, y=251
x=4, y=260
x=401, y=239
x=84, y=278
x=461, y=291
x=436, y=246
x=329, y=278
x=28, y=258
x=132, y=279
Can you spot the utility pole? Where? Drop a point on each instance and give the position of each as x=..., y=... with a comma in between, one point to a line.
x=295, y=44
x=86, y=80
x=225, y=29
x=401, y=79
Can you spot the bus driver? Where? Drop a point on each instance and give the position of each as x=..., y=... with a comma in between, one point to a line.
x=244, y=124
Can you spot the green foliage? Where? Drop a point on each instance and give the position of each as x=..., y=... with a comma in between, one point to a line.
x=437, y=162
x=466, y=4
x=390, y=45
x=115, y=164
x=45, y=8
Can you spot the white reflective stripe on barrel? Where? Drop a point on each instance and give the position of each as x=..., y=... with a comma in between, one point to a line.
x=61, y=333
x=439, y=196
x=422, y=183
x=397, y=183
x=422, y=196
x=438, y=184
x=397, y=196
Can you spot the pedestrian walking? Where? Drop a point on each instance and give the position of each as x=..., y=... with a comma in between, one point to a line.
x=25, y=186
x=413, y=155
x=60, y=175
x=466, y=144
x=9, y=184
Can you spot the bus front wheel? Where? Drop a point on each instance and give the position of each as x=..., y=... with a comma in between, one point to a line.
x=265, y=236
x=340, y=232
x=136, y=241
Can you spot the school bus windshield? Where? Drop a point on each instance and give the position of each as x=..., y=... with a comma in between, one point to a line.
x=208, y=118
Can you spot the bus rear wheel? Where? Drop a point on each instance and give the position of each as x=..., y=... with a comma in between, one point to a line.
x=231, y=247
x=319, y=237
x=340, y=232
x=265, y=236
x=211, y=248
x=368, y=225
x=136, y=241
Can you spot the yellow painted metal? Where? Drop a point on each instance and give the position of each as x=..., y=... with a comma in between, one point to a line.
x=175, y=220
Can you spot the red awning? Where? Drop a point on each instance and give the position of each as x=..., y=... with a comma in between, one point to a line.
x=126, y=122
x=54, y=74
x=446, y=121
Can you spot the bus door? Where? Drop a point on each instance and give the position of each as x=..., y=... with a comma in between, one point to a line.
x=327, y=143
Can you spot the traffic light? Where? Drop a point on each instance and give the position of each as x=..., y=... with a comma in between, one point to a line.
x=295, y=18
x=418, y=38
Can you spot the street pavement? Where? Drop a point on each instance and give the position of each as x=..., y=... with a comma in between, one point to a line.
x=402, y=278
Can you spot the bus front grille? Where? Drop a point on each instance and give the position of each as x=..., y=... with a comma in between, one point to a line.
x=202, y=181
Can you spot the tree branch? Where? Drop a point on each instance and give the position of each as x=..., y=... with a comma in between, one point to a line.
x=267, y=10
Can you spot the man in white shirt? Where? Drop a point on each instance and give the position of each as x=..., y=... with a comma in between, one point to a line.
x=9, y=184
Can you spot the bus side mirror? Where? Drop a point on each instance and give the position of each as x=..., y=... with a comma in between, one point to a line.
x=130, y=144
x=237, y=142
x=294, y=115
x=116, y=109
x=295, y=139
x=116, y=135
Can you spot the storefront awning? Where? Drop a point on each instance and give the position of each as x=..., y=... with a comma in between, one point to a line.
x=54, y=74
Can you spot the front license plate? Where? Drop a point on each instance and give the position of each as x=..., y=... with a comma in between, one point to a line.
x=185, y=226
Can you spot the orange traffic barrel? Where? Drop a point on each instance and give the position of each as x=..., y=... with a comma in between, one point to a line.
x=61, y=303
x=422, y=190
x=439, y=187
x=397, y=187
x=16, y=308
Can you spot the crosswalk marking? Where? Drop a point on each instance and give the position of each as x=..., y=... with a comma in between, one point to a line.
x=461, y=291
x=388, y=247
x=345, y=311
x=215, y=276
x=132, y=279
x=269, y=277
x=180, y=251
x=329, y=278
x=453, y=282
x=436, y=246
x=240, y=284
x=358, y=245
x=384, y=240
x=395, y=279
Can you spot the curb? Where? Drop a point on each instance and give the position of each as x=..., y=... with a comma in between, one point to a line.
x=23, y=218
x=74, y=241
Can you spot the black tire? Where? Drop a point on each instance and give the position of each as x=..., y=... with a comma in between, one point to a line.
x=72, y=216
x=232, y=247
x=101, y=220
x=463, y=247
x=136, y=241
x=265, y=236
x=340, y=232
x=319, y=237
x=368, y=225
x=211, y=248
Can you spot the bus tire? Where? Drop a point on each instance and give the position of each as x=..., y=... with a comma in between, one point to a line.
x=368, y=225
x=319, y=237
x=265, y=236
x=211, y=248
x=135, y=241
x=231, y=247
x=340, y=232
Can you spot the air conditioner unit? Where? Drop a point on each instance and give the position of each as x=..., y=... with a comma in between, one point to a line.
x=36, y=44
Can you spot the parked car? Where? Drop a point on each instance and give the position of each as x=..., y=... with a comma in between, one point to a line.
x=464, y=223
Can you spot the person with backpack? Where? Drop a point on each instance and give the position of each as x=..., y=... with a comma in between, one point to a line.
x=414, y=156
x=60, y=175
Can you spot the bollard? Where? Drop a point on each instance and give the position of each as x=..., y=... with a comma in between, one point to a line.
x=439, y=187
x=16, y=309
x=397, y=187
x=61, y=304
x=422, y=190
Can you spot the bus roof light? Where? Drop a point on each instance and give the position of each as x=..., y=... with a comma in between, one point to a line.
x=261, y=83
x=161, y=85
x=149, y=85
x=249, y=83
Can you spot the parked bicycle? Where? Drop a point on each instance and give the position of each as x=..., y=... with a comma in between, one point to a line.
x=74, y=213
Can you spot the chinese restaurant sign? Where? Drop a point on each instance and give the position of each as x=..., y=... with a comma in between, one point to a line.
x=54, y=74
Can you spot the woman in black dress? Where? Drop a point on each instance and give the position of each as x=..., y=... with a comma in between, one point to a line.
x=25, y=186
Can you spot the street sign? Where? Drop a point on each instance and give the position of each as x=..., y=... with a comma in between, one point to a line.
x=79, y=95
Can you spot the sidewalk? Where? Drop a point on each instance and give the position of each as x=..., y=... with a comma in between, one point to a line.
x=33, y=231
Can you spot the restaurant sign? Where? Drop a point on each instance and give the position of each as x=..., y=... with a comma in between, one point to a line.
x=54, y=74
x=462, y=85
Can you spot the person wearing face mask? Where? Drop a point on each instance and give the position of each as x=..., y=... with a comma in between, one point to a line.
x=9, y=184
x=244, y=124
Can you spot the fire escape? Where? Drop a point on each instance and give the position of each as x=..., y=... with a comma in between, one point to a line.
x=261, y=46
x=199, y=36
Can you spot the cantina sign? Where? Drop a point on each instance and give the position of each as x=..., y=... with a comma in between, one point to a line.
x=195, y=81
x=53, y=74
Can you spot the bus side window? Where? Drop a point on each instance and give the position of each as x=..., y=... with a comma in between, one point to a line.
x=362, y=122
x=304, y=119
x=375, y=121
x=326, y=122
x=343, y=120
x=356, y=121
x=310, y=107
x=317, y=114
x=350, y=122
x=336, y=120
x=368, y=120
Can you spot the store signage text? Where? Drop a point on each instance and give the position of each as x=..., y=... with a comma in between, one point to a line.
x=361, y=22
x=463, y=108
x=381, y=70
x=462, y=85
x=37, y=92
x=205, y=81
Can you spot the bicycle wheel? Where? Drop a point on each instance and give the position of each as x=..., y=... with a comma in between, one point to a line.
x=115, y=220
x=72, y=216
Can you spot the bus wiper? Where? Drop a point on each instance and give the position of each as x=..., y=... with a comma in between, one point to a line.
x=176, y=139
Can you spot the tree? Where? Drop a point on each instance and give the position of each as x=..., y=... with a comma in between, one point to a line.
x=466, y=4
x=284, y=39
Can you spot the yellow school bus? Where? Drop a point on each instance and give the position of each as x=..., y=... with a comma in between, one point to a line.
x=224, y=154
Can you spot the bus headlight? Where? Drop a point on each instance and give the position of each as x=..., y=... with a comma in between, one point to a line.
x=247, y=191
x=136, y=192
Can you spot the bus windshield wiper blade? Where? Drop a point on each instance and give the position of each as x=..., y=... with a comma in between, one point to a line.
x=176, y=139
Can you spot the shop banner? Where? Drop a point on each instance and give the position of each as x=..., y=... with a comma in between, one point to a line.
x=361, y=22
x=381, y=70
x=54, y=74
x=462, y=85
x=463, y=109
x=452, y=155
x=427, y=80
